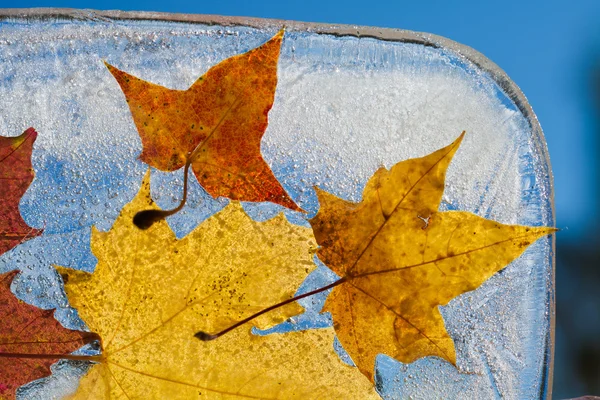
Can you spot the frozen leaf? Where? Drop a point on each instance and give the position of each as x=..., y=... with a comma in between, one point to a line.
x=30, y=340
x=151, y=291
x=16, y=175
x=399, y=259
x=217, y=124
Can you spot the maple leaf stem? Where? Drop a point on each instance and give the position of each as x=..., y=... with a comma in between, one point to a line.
x=204, y=336
x=52, y=356
x=145, y=219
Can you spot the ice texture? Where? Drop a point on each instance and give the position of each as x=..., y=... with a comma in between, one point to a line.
x=344, y=107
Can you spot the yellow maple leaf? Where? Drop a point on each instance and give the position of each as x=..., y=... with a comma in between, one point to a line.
x=399, y=259
x=150, y=292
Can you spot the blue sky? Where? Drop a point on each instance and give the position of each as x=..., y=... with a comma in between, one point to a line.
x=546, y=48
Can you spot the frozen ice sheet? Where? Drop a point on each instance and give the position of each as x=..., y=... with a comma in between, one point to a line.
x=344, y=107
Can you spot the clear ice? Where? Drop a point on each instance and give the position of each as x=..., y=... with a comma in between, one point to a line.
x=344, y=107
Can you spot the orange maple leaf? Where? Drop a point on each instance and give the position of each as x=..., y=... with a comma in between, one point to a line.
x=16, y=175
x=217, y=124
x=399, y=259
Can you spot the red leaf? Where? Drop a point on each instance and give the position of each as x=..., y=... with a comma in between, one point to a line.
x=30, y=340
x=16, y=175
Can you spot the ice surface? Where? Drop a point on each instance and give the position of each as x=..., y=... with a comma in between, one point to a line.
x=344, y=107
